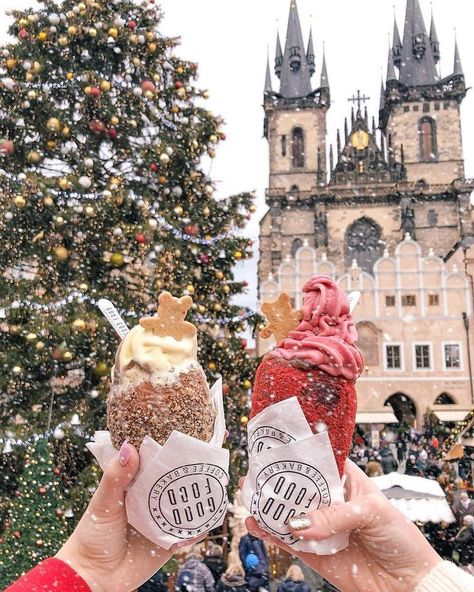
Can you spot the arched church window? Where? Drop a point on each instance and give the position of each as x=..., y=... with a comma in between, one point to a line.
x=363, y=243
x=428, y=144
x=283, y=145
x=297, y=244
x=297, y=148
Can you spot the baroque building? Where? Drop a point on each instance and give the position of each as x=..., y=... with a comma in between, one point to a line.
x=386, y=212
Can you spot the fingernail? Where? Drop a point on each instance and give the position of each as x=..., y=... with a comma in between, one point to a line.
x=125, y=453
x=301, y=523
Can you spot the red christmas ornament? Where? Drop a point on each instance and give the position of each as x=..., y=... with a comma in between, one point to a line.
x=57, y=354
x=179, y=84
x=59, y=512
x=132, y=25
x=204, y=259
x=23, y=34
x=191, y=229
x=7, y=147
x=148, y=85
x=1, y=541
x=245, y=283
x=17, y=493
x=154, y=167
x=42, y=490
x=57, y=471
x=113, y=134
x=17, y=534
x=223, y=136
x=95, y=92
x=243, y=343
x=225, y=389
x=97, y=126
x=140, y=238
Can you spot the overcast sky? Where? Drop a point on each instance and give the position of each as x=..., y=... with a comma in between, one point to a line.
x=229, y=40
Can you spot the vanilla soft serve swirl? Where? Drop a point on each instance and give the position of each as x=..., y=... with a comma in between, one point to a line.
x=156, y=354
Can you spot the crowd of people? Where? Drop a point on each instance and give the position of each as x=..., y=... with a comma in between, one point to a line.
x=418, y=454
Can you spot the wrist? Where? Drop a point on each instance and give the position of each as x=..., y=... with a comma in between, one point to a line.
x=426, y=565
x=67, y=555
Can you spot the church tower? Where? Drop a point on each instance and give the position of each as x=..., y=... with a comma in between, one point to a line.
x=420, y=111
x=295, y=127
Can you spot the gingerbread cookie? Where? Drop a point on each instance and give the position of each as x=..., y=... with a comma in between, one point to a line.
x=281, y=316
x=170, y=318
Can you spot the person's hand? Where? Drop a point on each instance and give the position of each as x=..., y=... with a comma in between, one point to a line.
x=104, y=549
x=386, y=552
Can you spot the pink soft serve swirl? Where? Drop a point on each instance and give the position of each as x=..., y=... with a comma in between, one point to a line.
x=326, y=337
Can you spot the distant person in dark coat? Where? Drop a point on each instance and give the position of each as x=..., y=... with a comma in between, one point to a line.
x=294, y=581
x=254, y=558
x=214, y=560
x=388, y=462
x=156, y=583
x=464, y=507
x=233, y=580
x=464, y=542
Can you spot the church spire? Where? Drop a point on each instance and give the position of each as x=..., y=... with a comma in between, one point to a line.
x=324, y=72
x=457, y=60
x=397, y=44
x=295, y=71
x=391, y=75
x=382, y=95
x=310, y=54
x=268, y=78
x=434, y=40
x=417, y=66
x=278, y=57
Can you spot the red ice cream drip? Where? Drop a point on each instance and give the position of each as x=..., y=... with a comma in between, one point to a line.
x=318, y=362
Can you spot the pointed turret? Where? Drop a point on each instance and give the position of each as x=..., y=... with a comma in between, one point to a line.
x=417, y=66
x=324, y=73
x=434, y=41
x=295, y=71
x=391, y=74
x=268, y=78
x=457, y=60
x=397, y=45
x=382, y=95
x=278, y=57
x=310, y=57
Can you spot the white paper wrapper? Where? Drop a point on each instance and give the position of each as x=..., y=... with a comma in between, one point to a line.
x=180, y=490
x=291, y=472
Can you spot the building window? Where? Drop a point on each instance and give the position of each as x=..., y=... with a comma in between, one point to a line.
x=433, y=299
x=297, y=244
x=432, y=218
x=427, y=132
x=426, y=107
x=393, y=357
x=389, y=301
x=363, y=243
x=452, y=356
x=409, y=300
x=283, y=145
x=446, y=105
x=422, y=357
x=437, y=106
x=416, y=107
x=406, y=108
x=297, y=148
x=368, y=341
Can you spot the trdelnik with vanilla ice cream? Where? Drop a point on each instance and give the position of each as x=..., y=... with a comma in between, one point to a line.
x=158, y=385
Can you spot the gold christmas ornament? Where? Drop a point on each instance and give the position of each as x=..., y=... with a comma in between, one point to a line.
x=152, y=48
x=205, y=94
x=181, y=92
x=105, y=86
x=92, y=32
x=244, y=420
x=51, y=144
x=247, y=384
x=219, y=274
x=29, y=77
x=48, y=201
x=31, y=337
x=150, y=35
x=238, y=255
x=178, y=210
x=226, y=289
x=89, y=211
x=101, y=369
x=72, y=30
x=113, y=32
x=217, y=307
x=116, y=259
x=60, y=253
x=19, y=201
x=42, y=36
x=114, y=120
x=53, y=125
x=83, y=287
x=66, y=131
x=37, y=67
x=34, y=157
x=213, y=138
x=79, y=325
x=133, y=39
x=67, y=356
x=10, y=63
x=190, y=289
x=63, y=41
x=39, y=345
x=70, y=76
x=212, y=366
x=63, y=183
x=17, y=370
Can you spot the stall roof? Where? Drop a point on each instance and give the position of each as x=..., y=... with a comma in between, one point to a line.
x=381, y=416
x=450, y=412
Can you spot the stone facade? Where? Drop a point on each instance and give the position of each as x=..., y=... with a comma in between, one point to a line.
x=413, y=303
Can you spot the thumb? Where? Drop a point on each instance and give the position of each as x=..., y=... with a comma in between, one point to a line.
x=118, y=474
x=358, y=514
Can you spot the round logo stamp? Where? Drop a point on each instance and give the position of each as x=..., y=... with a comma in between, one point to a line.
x=189, y=500
x=266, y=437
x=285, y=489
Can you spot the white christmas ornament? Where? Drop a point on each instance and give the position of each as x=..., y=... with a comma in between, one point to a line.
x=89, y=163
x=152, y=223
x=169, y=150
x=54, y=19
x=8, y=83
x=58, y=434
x=85, y=182
x=117, y=231
x=177, y=191
x=164, y=158
x=94, y=394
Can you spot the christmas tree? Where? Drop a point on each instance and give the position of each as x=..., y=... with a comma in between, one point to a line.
x=104, y=138
x=35, y=525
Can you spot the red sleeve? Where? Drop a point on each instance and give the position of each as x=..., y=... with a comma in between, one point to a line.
x=52, y=575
